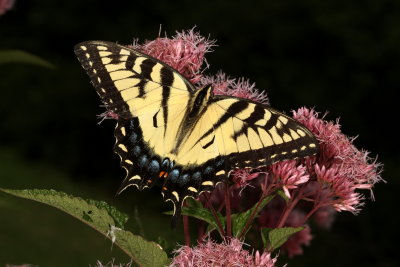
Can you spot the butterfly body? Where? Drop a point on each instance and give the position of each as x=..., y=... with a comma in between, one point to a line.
x=187, y=139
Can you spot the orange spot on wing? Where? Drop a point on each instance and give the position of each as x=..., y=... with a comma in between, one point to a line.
x=163, y=174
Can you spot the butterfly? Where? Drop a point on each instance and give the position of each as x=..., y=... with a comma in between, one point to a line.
x=188, y=140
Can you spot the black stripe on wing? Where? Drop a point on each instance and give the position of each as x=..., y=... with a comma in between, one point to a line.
x=142, y=166
x=145, y=169
x=89, y=54
x=288, y=139
x=100, y=77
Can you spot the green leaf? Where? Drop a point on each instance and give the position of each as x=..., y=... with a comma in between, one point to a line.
x=193, y=203
x=103, y=218
x=18, y=56
x=138, y=226
x=120, y=218
x=274, y=238
x=264, y=236
x=239, y=220
x=204, y=215
x=283, y=195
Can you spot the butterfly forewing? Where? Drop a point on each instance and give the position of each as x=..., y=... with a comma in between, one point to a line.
x=130, y=83
x=262, y=134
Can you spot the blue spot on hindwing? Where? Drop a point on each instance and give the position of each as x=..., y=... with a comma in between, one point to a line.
x=183, y=179
x=133, y=138
x=165, y=164
x=136, y=150
x=154, y=167
x=219, y=163
x=173, y=175
x=143, y=161
x=196, y=177
x=208, y=171
x=132, y=125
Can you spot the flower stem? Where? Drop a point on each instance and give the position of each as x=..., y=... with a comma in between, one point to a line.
x=311, y=212
x=319, y=202
x=211, y=207
x=289, y=207
x=200, y=231
x=228, y=211
x=186, y=230
x=251, y=217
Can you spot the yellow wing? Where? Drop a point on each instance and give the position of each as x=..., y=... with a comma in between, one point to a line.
x=245, y=133
x=130, y=83
x=236, y=133
x=149, y=98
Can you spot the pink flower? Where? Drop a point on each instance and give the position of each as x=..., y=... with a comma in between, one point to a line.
x=338, y=148
x=264, y=259
x=184, y=52
x=340, y=167
x=108, y=114
x=343, y=195
x=228, y=253
x=5, y=5
x=288, y=174
x=242, y=177
x=224, y=85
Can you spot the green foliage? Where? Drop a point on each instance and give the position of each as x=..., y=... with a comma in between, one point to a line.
x=241, y=219
x=18, y=56
x=190, y=202
x=273, y=238
x=204, y=215
x=282, y=195
x=103, y=218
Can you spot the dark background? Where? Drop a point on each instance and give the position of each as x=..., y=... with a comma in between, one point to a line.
x=337, y=56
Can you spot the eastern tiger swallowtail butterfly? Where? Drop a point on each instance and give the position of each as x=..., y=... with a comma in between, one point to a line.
x=186, y=138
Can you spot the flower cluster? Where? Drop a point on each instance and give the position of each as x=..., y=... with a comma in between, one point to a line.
x=340, y=168
x=224, y=85
x=227, y=253
x=315, y=187
x=184, y=52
